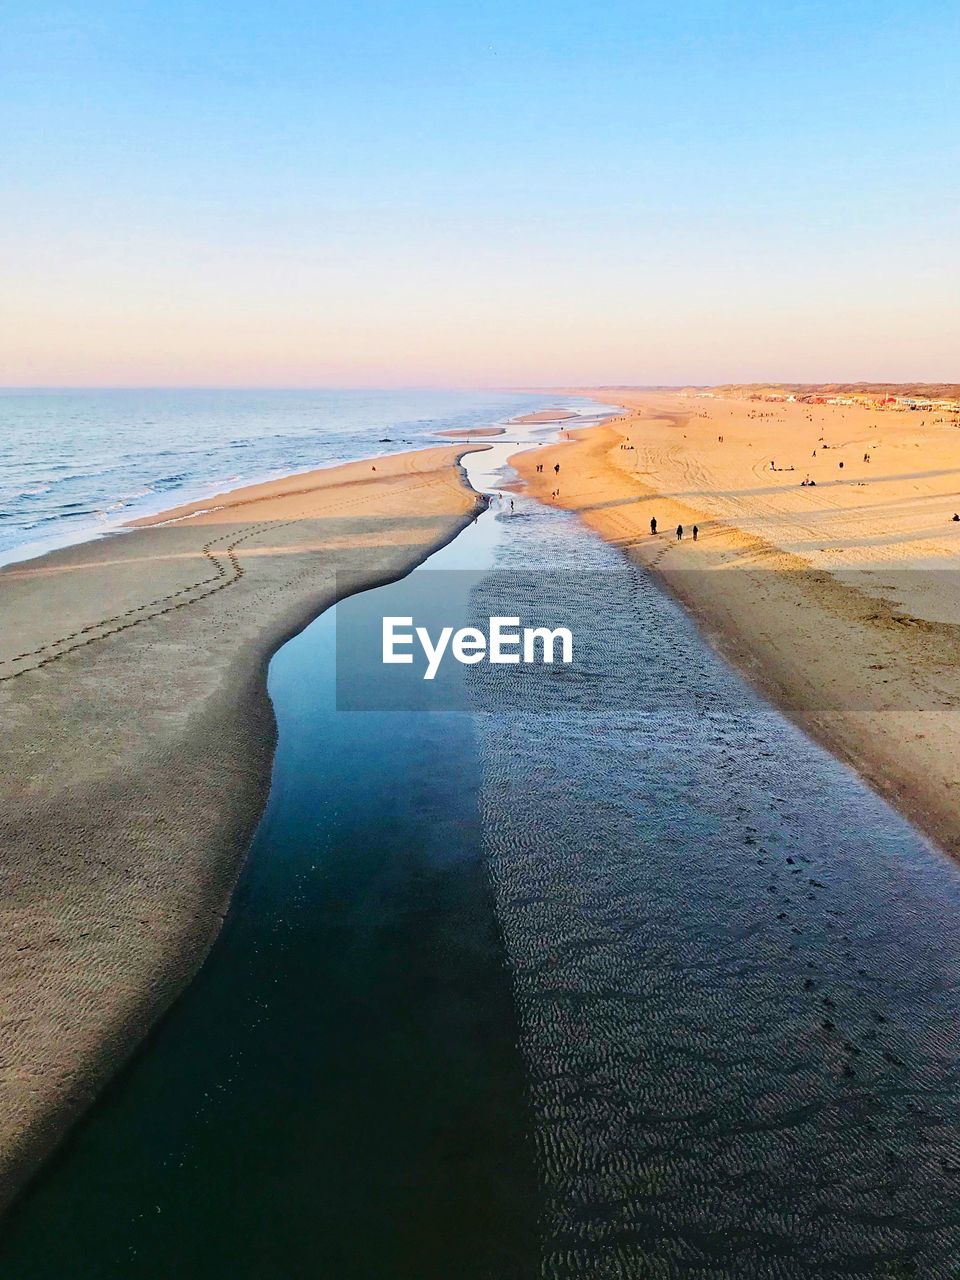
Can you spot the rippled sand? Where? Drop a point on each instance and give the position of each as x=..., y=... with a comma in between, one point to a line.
x=736, y=968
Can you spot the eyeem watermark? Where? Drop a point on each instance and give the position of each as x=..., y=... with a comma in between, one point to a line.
x=453, y=639
x=504, y=642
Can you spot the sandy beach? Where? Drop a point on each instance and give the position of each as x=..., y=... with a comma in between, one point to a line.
x=839, y=600
x=137, y=751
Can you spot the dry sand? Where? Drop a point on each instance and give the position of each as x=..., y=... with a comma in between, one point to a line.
x=840, y=601
x=137, y=746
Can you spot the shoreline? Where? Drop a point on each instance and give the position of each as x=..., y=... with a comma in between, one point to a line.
x=136, y=498
x=28, y=553
x=140, y=746
x=863, y=654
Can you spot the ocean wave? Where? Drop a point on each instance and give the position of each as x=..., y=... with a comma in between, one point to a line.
x=56, y=517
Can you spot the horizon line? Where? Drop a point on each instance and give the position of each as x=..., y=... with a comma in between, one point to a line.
x=528, y=389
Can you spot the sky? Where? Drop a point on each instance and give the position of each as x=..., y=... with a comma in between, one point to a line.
x=478, y=194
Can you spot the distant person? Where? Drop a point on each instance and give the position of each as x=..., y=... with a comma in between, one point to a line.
x=841, y=466
x=772, y=467
x=679, y=532
x=653, y=524
x=556, y=469
x=511, y=504
x=696, y=532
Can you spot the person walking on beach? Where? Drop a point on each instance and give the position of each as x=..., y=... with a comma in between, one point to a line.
x=679, y=532
x=696, y=531
x=653, y=524
x=556, y=469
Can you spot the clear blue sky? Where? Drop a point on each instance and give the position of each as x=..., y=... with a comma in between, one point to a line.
x=295, y=193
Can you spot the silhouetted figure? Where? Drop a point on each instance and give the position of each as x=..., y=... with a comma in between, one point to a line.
x=696, y=532
x=679, y=532
x=653, y=524
x=556, y=469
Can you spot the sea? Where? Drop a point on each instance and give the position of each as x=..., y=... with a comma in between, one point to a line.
x=75, y=464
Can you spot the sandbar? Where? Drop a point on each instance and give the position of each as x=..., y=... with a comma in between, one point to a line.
x=137, y=749
x=467, y=433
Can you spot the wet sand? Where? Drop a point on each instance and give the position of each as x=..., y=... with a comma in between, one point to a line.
x=840, y=601
x=137, y=751
x=736, y=969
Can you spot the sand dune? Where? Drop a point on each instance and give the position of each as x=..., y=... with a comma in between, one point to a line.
x=840, y=601
x=137, y=745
